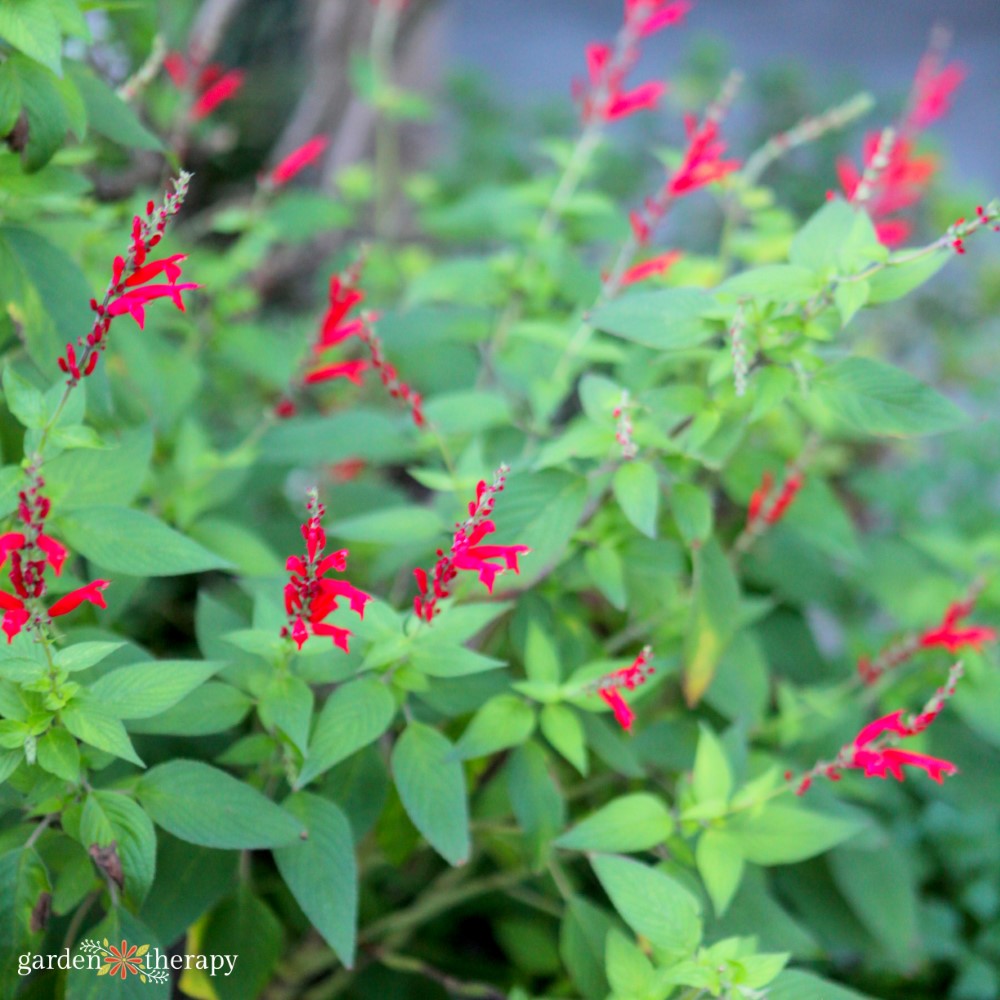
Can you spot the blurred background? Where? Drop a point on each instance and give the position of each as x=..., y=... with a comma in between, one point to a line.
x=530, y=49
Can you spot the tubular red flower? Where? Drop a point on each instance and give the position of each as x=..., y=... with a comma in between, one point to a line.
x=952, y=638
x=224, y=89
x=932, y=90
x=351, y=370
x=91, y=592
x=656, y=265
x=656, y=15
x=134, y=302
x=297, y=161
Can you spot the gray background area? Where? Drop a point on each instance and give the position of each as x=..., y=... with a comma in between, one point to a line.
x=532, y=48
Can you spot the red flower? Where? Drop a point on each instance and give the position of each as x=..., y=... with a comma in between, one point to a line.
x=296, y=161
x=702, y=165
x=309, y=595
x=605, y=99
x=225, y=88
x=134, y=302
x=648, y=268
x=772, y=515
x=873, y=750
x=351, y=370
x=952, y=638
x=467, y=553
x=932, y=90
x=609, y=687
x=91, y=592
x=650, y=16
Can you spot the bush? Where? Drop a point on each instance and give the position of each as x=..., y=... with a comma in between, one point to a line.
x=507, y=641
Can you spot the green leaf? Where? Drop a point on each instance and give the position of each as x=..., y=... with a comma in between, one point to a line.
x=541, y=655
x=796, y=985
x=112, y=817
x=582, y=936
x=636, y=822
x=538, y=803
x=771, y=283
x=563, y=729
x=441, y=659
x=352, y=433
x=504, y=721
x=606, y=570
x=61, y=289
x=720, y=865
x=630, y=972
x=875, y=398
x=82, y=655
x=245, y=926
x=900, y=277
x=783, y=834
x=882, y=891
x=123, y=540
x=240, y=546
x=142, y=690
x=431, y=785
x=393, y=526
x=637, y=490
x=89, y=723
x=671, y=319
x=652, y=903
x=113, y=475
x=839, y=238
x=468, y=411
x=353, y=716
x=31, y=26
x=10, y=98
x=45, y=107
x=25, y=402
x=714, y=617
x=712, y=778
x=322, y=873
x=108, y=114
x=202, y=805
x=22, y=880
x=59, y=755
x=212, y=708
x=287, y=703
x=692, y=509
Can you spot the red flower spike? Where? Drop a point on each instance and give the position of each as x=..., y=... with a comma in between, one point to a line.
x=467, y=554
x=297, y=161
x=610, y=686
x=310, y=596
x=874, y=752
x=134, y=302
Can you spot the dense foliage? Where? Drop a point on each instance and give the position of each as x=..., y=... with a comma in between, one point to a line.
x=543, y=633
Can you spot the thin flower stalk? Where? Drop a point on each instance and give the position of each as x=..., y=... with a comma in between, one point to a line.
x=875, y=749
x=468, y=552
x=311, y=595
x=947, y=635
x=738, y=347
x=611, y=686
x=387, y=373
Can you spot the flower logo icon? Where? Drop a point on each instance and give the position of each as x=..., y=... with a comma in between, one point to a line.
x=122, y=961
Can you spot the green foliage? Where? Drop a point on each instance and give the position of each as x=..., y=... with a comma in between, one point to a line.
x=480, y=785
